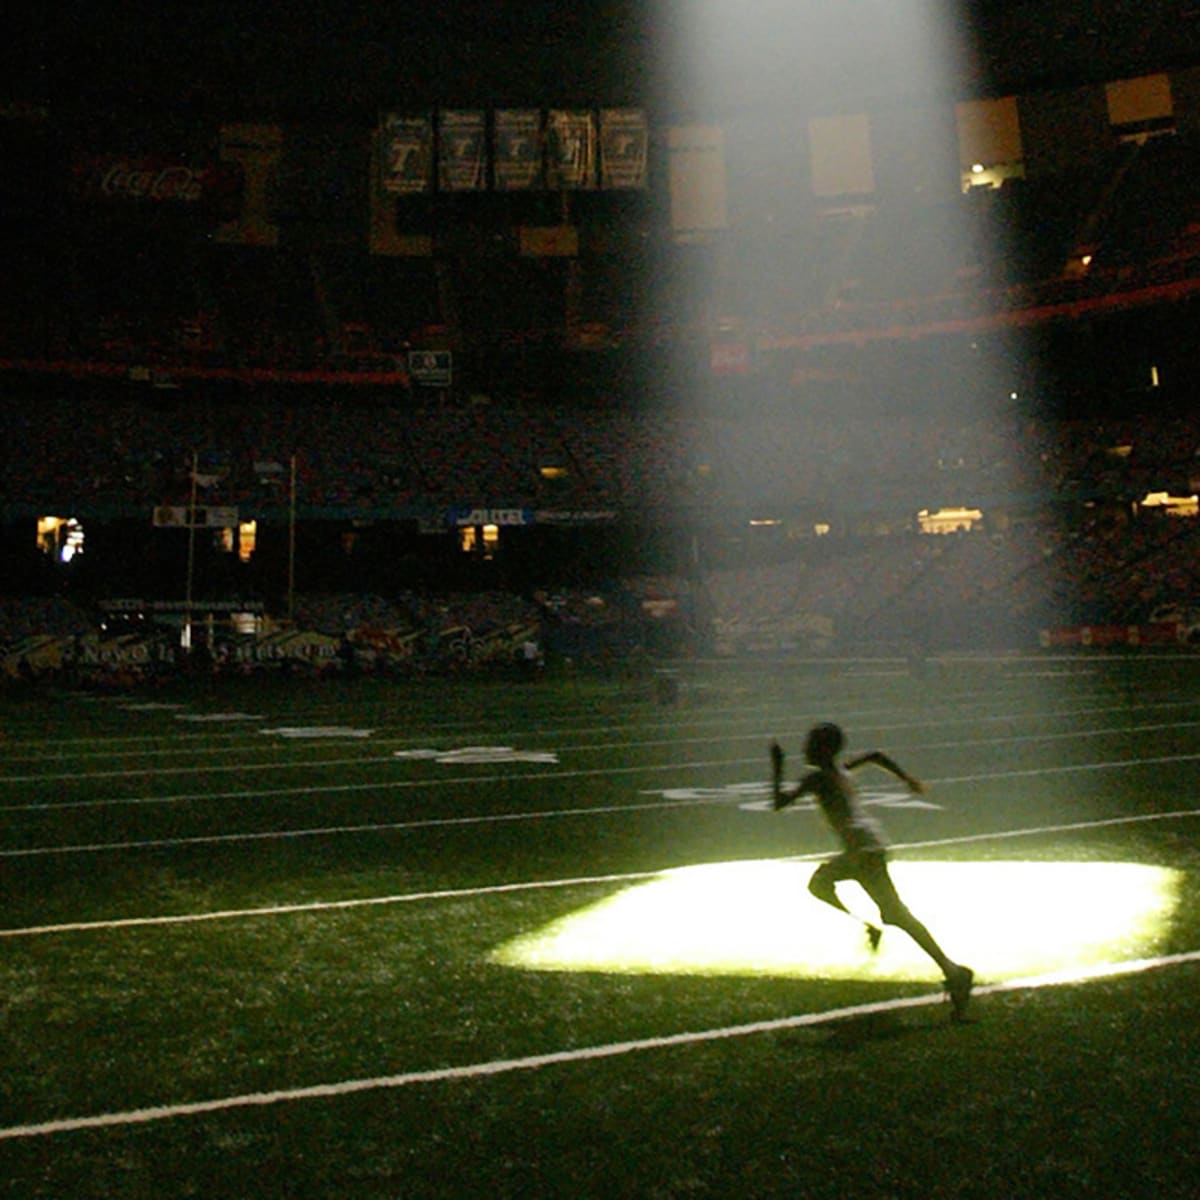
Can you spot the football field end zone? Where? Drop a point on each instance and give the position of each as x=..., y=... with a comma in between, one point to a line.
x=534, y=1062
x=277, y=910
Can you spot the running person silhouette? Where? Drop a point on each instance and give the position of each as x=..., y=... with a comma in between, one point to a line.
x=864, y=856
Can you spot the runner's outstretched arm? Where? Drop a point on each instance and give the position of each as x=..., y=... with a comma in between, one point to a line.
x=877, y=758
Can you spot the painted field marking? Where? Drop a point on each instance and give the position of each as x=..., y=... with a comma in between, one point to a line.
x=218, y=718
x=540, y=884
x=594, y=747
x=178, y=798
x=498, y=818
x=535, y=1062
x=124, y=745
x=272, y=835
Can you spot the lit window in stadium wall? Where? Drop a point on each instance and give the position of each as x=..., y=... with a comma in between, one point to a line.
x=60, y=537
x=481, y=539
x=247, y=539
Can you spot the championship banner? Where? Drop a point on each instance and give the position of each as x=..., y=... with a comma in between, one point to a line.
x=840, y=155
x=570, y=150
x=624, y=148
x=462, y=145
x=385, y=236
x=517, y=149
x=406, y=158
x=696, y=165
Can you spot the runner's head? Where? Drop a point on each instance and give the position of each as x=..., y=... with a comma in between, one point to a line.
x=823, y=744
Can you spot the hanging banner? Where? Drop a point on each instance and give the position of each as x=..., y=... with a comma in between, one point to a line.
x=840, y=155
x=549, y=241
x=406, y=158
x=517, y=149
x=570, y=150
x=624, y=148
x=462, y=157
x=386, y=235
x=257, y=151
x=696, y=164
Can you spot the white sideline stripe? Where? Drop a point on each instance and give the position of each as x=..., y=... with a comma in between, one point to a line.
x=277, y=910
x=588, y=748
x=272, y=835
x=1069, y=827
x=539, y=884
x=499, y=818
x=534, y=1062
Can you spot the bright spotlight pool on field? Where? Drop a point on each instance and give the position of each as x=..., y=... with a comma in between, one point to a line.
x=1007, y=919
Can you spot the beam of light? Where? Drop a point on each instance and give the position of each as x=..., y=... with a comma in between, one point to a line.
x=1007, y=919
x=816, y=157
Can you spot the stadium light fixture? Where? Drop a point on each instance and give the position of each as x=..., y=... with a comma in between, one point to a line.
x=1008, y=919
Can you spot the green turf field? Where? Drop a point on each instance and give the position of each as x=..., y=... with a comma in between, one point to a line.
x=441, y=939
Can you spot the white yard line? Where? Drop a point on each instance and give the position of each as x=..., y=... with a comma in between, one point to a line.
x=499, y=818
x=258, y=746
x=272, y=835
x=308, y=764
x=535, y=1062
x=116, y=747
x=537, y=885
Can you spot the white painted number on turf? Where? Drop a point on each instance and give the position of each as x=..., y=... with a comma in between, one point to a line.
x=489, y=755
x=317, y=731
x=217, y=718
x=756, y=797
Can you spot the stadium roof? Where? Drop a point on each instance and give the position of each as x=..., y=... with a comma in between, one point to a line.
x=341, y=59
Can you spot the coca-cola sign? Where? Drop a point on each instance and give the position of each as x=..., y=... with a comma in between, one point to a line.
x=121, y=179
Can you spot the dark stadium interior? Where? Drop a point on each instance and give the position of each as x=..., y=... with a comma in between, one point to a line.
x=467, y=467
x=754, y=422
